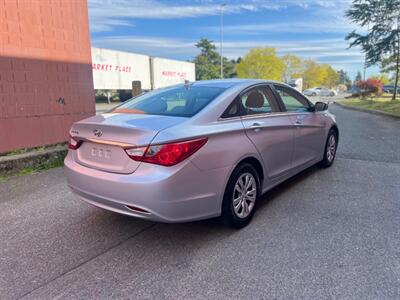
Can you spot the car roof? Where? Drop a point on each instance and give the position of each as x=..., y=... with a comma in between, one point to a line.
x=227, y=83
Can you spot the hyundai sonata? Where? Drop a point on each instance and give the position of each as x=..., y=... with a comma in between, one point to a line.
x=198, y=150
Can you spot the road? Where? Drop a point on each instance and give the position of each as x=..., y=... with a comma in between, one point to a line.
x=331, y=233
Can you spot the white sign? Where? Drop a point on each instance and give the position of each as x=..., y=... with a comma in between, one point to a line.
x=115, y=70
x=168, y=72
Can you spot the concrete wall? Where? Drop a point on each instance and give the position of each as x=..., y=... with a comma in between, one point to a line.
x=45, y=71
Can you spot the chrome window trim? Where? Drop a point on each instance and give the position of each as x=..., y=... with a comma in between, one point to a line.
x=241, y=93
x=296, y=92
x=264, y=115
x=272, y=102
x=276, y=114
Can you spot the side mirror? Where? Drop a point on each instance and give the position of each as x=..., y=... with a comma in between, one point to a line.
x=321, y=106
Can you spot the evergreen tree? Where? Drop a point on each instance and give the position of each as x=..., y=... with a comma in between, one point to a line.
x=208, y=62
x=358, y=76
x=344, y=78
x=382, y=41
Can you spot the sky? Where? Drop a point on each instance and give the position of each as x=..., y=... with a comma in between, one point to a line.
x=312, y=29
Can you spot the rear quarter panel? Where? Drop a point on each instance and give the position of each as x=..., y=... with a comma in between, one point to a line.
x=227, y=142
x=227, y=145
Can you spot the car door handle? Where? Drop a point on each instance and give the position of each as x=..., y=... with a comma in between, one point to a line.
x=256, y=127
x=298, y=122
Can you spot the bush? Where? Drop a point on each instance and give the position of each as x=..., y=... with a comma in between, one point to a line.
x=369, y=87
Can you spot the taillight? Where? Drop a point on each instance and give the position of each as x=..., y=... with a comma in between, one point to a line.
x=74, y=144
x=166, y=154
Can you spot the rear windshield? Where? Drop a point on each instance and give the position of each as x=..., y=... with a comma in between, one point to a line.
x=182, y=101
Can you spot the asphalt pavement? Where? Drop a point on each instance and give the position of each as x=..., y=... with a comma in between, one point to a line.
x=327, y=233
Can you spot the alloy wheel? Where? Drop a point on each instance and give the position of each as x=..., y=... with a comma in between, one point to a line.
x=331, y=149
x=244, y=195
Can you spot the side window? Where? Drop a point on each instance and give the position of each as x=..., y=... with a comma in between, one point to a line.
x=257, y=101
x=233, y=110
x=292, y=102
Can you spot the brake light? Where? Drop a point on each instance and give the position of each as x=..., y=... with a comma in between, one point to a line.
x=74, y=144
x=166, y=154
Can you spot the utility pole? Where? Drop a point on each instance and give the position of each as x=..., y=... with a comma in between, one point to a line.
x=365, y=67
x=222, y=39
x=396, y=79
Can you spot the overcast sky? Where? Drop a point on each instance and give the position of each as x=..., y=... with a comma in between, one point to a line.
x=308, y=28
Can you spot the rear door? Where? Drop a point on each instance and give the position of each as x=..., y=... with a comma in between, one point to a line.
x=270, y=131
x=309, y=126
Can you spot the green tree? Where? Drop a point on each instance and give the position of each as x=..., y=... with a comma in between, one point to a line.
x=388, y=66
x=344, y=78
x=382, y=40
x=314, y=74
x=332, y=77
x=261, y=63
x=358, y=76
x=208, y=49
x=207, y=62
x=229, y=68
x=292, y=67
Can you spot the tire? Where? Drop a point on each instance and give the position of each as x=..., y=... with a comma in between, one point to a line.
x=329, y=156
x=332, y=94
x=236, y=216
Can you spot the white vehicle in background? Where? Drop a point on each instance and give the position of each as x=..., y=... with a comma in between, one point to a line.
x=320, y=91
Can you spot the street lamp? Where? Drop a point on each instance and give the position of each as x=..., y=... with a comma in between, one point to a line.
x=221, y=39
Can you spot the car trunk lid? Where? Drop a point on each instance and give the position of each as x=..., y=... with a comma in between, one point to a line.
x=104, y=138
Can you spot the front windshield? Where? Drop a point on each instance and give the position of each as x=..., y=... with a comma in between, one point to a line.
x=182, y=101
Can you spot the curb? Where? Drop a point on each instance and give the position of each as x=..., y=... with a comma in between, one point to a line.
x=10, y=165
x=371, y=111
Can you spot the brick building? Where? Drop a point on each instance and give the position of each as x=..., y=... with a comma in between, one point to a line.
x=45, y=71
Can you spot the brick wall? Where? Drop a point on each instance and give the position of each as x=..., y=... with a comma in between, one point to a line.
x=45, y=71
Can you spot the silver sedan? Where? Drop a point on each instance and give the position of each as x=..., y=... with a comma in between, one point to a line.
x=198, y=150
x=320, y=91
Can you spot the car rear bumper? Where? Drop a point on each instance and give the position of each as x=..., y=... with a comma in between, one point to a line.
x=164, y=194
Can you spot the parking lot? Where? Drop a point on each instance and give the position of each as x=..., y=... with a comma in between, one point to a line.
x=331, y=233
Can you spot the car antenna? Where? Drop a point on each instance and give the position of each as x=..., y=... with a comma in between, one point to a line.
x=188, y=84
